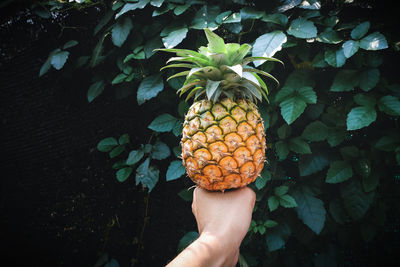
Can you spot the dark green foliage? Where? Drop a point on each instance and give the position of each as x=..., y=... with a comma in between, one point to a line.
x=332, y=127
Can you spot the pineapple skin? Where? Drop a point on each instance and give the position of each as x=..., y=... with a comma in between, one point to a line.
x=223, y=143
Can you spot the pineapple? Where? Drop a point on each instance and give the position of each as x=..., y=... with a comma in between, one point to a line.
x=223, y=137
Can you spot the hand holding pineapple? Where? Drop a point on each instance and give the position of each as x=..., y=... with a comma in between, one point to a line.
x=223, y=137
x=223, y=220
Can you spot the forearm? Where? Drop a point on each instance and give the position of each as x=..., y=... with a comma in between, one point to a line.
x=208, y=250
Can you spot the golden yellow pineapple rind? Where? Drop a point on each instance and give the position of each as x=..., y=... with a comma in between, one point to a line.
x=223, y=143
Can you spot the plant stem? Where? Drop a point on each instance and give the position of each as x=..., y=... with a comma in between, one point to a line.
x=145, y=222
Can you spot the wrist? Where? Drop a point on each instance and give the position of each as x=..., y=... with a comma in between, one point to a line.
x=222, y=250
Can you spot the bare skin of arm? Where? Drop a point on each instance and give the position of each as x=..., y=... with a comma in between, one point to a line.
x=223, y=220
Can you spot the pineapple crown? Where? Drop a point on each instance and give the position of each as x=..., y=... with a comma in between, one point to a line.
x=219, y=70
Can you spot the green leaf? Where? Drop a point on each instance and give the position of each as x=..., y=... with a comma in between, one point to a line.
x=147, y=175
x=205, y=18
x=149, y=88
x=374, y=41
x=45, y=67
x=298, y=145
x=95, y=90
x=284, y=93
x=121, y=31
x=267, y=45
x=262, y=180
x=307, y=94
x=163, y=123
x=329, y=36
x=181, y=9
x=302, y=28
x=276, y=237
x=134, y=157
x=356, y=201
x=336, y=136
x=312, y=163
x=273, y=203
x=215, y=43
x=337, y=211
x=349, y=152
x=124, y=174
x=338, y=172
x=186, y=194
x=390, y=105
x=106, y=144
x=116, y=151
x=270, y=223
x=364, y=100
x=281, y=190
x=130, y=7
x=70, y=43
x=388, y=142
x=300, y=78
x=284, y=131
x=119, y=78
x=282, y=149
x=287, y=201
x=360, y=30
x=360, y=117
x=123, y=139
x=250, y=13
x=345, y=80
x=350, y=48
x=175, y=37
x=315, y=131
x=160, y=151
x=152, y=44
x=292, y=108
x=156, y=3
x=187, y=239
x=370, y=182
x=310, y=209
x=175, y=170
x=211, y=88
x=58, y=59
x=369, y=79
x=276, y=18
x=119, y=164
x=335, y=58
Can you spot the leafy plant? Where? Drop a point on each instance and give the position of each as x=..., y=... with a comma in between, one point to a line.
x=332, y=127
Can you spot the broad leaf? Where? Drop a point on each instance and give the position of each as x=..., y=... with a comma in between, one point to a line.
x=106, y=144
x=134, y=157
x=360, y=30
x=329, y=36
x=160, y=151
x=390, y=105
x=147, y=175
x=369, y=79
x=312, y=163
x=302, y=28
x=175, y=170
x=175, y=37
x=116, y=151
x=355, y=200
x=124, y=174
x=360, y=117
x=163, y=123
x=335, y=58
x=121, y=31
x=273, y=203
x=267, y=45
x=345, y=80
x=58, y=59
x=388, y=142
x=205, y=18
x=374, y=41
x=307, y=94
x=70, y=43
x=276, y=18
x=310, y=209
x=281, y=190
x=292, y=108
x=119, y=78
x=282, y=149
x=336, y=136
x=95, y=90
x=132, y=6
x=149, y=88
x=287, y=201
x=370, y=182
x=364, y=100
x=298, y=145
x=338, y=172
x=350, y=48
x=275, y=238
x=315, y=131
x=263, y=179
x=250, y=13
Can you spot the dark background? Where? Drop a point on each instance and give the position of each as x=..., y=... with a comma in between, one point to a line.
x=60, y=203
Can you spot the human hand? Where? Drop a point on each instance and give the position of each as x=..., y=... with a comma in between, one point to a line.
x=223, y=220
